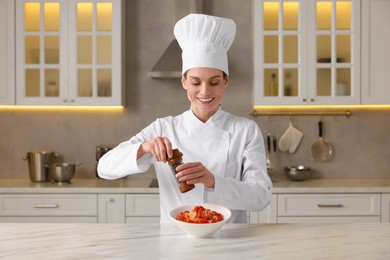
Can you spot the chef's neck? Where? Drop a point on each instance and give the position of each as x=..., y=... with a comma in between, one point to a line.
x=204, y=115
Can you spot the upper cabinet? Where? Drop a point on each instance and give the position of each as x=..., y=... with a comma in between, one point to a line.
x=68, y=52
x=7, y=50
x=306, y=52
x=375, y=52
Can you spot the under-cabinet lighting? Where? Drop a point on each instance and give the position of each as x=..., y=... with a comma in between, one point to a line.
x=322, y=108
x=64, y=108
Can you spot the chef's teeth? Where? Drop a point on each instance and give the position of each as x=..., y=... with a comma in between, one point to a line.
x=205, y=99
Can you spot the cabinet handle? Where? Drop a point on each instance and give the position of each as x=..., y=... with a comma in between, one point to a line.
x=72, y=100
x=46, y=206
x=304, y=100
x=312, y=100
x=111, y=200
x=330, y=205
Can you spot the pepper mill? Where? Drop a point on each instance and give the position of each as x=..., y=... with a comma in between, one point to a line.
x=175, y=161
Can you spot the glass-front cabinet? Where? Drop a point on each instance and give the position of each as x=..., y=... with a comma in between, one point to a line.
x=7, y=57
x=306, y=52
x=69, y=52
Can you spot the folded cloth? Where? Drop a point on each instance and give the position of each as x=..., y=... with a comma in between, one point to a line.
x=290, y=140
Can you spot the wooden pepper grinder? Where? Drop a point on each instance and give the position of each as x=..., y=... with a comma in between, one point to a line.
x=175, y=161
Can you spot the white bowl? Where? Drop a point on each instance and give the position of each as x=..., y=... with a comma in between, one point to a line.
x=201, y=230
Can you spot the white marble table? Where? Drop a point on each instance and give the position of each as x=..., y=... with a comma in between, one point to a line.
x=235, y=241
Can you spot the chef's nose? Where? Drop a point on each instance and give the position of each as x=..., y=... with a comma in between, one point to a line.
x=204, y=88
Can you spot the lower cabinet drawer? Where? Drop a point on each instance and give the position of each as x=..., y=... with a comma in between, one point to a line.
x=330, y=219
x=48, y=205
x=329, y=205
x=45, y=219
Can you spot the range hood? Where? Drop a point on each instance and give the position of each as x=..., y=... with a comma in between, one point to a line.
x=170, y=64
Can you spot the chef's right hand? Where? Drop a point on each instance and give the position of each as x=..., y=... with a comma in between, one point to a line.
x=159, y=147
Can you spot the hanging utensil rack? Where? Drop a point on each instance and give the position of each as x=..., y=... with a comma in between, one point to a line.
x=346, y=113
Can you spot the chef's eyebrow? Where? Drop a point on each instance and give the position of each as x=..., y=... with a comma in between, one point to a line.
x=213, y=77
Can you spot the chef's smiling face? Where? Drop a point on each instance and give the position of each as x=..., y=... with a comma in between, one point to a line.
x=205, y=88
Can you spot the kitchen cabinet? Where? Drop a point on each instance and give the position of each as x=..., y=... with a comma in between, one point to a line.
x=7, y=57
x=325, y=208
x=80, y=208
x=55, y=208
x=69, y=52
x=267, y=215
x=142, y=208
x=111, y=208
x=385, y=207
x=375, y=52
x=310, y=208
x=306, y=52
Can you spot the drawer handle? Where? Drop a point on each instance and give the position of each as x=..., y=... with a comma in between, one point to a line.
x=330, y=205
x=46, y=206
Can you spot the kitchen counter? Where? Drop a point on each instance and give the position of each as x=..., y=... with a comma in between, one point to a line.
x=138, y=185
x=233, y=241
x=332, y=185
x=135, y=185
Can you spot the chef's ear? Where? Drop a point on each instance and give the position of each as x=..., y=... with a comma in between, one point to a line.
x=184, y=80
x=225, y=79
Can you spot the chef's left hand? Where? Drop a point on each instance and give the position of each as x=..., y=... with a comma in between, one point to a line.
x=195, y=172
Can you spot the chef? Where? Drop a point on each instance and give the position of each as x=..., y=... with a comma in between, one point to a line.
x=223, y=154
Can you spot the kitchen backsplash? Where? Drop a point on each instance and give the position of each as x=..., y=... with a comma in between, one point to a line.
x=361, y=142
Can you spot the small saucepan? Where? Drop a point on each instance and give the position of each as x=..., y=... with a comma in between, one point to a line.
x=62, y=172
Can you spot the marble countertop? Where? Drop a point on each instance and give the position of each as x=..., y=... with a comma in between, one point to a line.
x=138, y=185
x=233, y=241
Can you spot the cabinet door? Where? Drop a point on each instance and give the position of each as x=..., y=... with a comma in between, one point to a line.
x=280, y=56
x=375, y=52
x=95, y=43
x=7, y=52
x=69, y=52
x=334, y=52
x=41, y=56
x=267, y=215
x=142, y=208
x=385, y=217
x=306, y=52
x=111, y=208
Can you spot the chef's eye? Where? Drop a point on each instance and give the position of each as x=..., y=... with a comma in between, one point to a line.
x=214, y=82
x=195, y=83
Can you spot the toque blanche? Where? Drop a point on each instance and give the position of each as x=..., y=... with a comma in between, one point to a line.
x=205, y=40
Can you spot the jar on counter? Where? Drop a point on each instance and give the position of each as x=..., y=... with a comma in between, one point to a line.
x=175, y=161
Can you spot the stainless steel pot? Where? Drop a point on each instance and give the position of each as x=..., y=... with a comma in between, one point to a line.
x=62, y=172
x=37, y=160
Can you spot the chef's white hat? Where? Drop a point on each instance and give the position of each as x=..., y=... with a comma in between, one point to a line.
x=205, y=40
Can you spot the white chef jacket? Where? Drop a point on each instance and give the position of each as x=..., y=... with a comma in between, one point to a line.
x=230, y=147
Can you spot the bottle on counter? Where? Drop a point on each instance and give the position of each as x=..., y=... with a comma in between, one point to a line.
x=175, y=161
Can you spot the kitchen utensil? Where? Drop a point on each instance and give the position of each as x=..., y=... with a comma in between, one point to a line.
x=62, y=172
x=297, y=173
x=36, y=164
x=200, y=230
x=296, y=138
x=101, y=150
x=291, y=139
x=274, y=143
x=320, y=150
x=268, y=151
x=285, y=140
